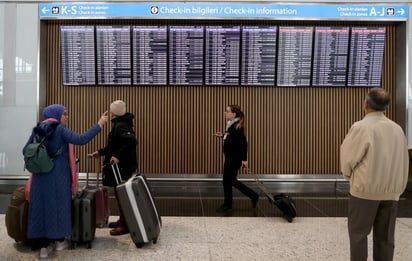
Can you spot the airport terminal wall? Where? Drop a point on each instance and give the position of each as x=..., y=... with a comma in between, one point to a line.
x=290, y=130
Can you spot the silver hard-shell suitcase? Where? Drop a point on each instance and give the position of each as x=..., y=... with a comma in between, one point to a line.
x=139, y=209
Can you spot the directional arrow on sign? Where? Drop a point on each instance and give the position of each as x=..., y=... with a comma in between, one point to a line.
x=402, y=12
x=45, y=10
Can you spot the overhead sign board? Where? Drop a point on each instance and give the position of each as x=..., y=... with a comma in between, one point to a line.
x=223, y=10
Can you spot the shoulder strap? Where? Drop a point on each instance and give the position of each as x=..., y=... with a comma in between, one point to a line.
x=49, y=132
x=59, y=151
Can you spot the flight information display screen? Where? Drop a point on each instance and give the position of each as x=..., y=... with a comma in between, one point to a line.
x=149, y=55
x=258, y=55
x=330, y=57
x=113, y=55
x=294, y=55
x=77, y=55
x=209, y=55
x=186, y=55
x=367, y=48
x=222, y=61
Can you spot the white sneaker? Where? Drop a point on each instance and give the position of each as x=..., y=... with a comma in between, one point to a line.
x=62, y=245
x=45, y=251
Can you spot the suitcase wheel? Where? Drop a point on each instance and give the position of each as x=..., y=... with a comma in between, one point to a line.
x=139, y=245
x=155, y=240
x=89, y=245
x=73, y=245
x=289, y=219
x=101, y=225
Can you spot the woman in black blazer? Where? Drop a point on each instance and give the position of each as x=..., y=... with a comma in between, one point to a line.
x=235, y=150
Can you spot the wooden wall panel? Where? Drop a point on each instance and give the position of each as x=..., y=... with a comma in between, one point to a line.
x=290, y=130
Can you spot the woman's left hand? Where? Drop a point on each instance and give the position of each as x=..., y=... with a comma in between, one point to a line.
x=114, y=160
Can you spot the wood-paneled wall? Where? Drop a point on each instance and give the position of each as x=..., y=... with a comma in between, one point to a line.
x=290, y=130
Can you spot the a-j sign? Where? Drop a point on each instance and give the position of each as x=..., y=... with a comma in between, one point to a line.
x=224, y=10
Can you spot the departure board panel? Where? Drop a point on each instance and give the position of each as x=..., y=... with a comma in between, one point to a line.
x=367, y=47
x=186, y=55
x=77, y=55
x=222, y=55
x=258, y=55
x=294, y=55
x=330, y=56
x=113, y=55
x=149, y=55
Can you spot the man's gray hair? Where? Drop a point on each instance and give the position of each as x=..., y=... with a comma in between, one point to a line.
x=377, y=99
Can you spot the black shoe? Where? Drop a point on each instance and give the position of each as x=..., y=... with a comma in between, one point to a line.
x=255, y=201
x=223, y=209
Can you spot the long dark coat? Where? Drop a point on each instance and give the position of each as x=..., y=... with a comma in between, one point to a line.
x=50, y=214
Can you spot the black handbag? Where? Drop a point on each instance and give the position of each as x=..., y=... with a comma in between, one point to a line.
x=111, y=175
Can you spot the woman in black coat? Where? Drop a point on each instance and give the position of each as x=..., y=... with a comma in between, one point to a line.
x=120, y=150
x=235, y=150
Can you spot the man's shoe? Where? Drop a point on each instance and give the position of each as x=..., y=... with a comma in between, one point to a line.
x=255, y=201
x=223, y=209
x=119, y=231
x=114, y=224
x=45, y=251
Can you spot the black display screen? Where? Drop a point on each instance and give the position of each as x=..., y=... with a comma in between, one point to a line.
x=77, y=55
x=186, y=55
x=222, y=55
x=207, y=55
x=113, y=55
x=367, y=47
x=149, y=55
x=294, y=55
x=330, y=56
x=258, y=55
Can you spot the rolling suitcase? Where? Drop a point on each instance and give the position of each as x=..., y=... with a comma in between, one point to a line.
x=101, y=197
x=283, y=202
x=17, y=214
x=139, y=209
x=84, y=216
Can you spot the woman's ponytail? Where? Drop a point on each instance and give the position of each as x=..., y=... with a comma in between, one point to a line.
x=239, y=114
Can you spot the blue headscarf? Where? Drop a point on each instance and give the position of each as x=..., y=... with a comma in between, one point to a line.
x=54, y=111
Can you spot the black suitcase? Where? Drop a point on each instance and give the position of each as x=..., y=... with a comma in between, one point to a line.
x=139, y=209
x=285, y=203
x=84, y=216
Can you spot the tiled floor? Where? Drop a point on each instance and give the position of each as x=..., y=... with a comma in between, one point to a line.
x=192, y=230
x=223, y=238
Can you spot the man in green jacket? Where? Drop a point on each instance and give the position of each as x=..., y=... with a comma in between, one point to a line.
x=375, y=161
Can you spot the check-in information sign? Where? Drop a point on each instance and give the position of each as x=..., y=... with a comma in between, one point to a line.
x=224, y=10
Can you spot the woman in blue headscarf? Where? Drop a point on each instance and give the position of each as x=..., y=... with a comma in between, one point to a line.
x=50, y=217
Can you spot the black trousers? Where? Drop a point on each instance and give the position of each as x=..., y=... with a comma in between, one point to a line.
x=364, y=215
x=230, y=171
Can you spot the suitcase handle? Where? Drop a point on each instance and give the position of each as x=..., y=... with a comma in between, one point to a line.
x=77, y=173
x=116, y=173
x=89, y=158
x=261, y=186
